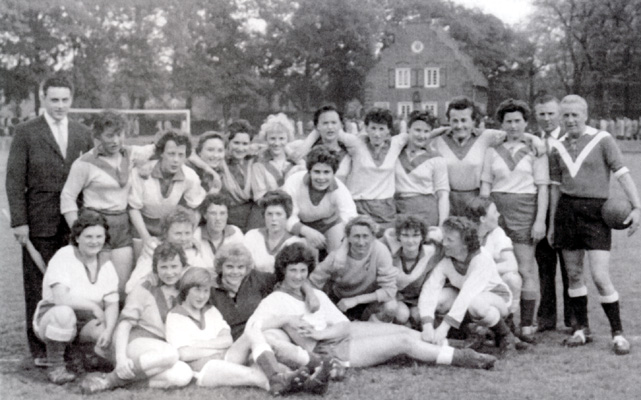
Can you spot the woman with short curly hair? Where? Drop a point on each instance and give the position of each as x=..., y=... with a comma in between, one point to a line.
x=322, y=203
x=475, y=287
x=265, y=243
x=273, y=166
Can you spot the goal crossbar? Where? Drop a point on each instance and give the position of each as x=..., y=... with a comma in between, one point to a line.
x=185, y=112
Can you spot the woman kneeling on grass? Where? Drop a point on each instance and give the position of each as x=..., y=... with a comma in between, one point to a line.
x=141, y=351
x=475, y=288
x=79, y=296
x=204, y=341
x=328, y=332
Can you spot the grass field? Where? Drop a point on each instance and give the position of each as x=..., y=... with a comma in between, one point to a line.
x=548, y=371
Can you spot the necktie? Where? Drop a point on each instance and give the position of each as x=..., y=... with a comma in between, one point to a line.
x=60, y=138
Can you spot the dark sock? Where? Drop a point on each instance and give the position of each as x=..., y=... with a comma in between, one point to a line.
x=56, y=352
x=580, y=309
x=314, y=361
x=612, y=312
x=500, y=330
x=267, y=362
x=527, y=312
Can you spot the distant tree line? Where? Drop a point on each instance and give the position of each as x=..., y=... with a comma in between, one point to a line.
x=305, y=52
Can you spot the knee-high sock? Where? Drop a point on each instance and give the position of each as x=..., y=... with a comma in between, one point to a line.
x=579, y=303
x=266, y=360
x=610, y=305
x=56, y=352
x=528, y=304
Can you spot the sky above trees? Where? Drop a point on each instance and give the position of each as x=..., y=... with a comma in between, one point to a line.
x=509, y=11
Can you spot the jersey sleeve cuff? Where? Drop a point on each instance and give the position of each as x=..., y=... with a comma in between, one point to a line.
x=427, y=320
x=621, y=171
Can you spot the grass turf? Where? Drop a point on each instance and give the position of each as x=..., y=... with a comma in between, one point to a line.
x=548, y=371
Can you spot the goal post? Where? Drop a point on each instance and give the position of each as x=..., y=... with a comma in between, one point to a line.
x=182, y=115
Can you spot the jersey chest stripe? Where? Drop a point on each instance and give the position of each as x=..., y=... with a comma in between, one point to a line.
x=575, y=166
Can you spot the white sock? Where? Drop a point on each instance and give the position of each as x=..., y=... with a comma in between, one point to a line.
x=445, y=355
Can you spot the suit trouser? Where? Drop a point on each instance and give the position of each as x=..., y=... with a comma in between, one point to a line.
x=32, y=280
x=546, y=258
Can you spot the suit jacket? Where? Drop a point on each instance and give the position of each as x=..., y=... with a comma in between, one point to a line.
x=37, y=171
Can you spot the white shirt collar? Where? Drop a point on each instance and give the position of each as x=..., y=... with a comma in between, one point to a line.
x=51, y=121
x=555, y=133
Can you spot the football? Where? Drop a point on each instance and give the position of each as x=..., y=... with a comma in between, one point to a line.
x=615, y=211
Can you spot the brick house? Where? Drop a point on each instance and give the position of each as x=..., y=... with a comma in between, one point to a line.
x=423, y=68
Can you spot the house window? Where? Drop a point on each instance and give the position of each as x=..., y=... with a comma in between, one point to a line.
x=403, y=78
x=382, y=104
x=432, y=77
x=432, y=107
x=404, y=109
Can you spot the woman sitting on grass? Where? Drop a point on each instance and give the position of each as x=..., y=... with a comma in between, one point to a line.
x=178, y=228
x=328, y=332
x=216, y=231
x=79, y=296
x=322, y=203
x=240, y=287
x=204, y=341
x=414, y=261
x=359, y=276
x=265, y=242
x=141, y=351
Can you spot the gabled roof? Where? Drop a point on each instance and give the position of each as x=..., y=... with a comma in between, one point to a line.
x=411, y=31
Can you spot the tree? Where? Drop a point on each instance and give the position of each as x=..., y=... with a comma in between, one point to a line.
x=214, y=54
x=592, y=46
x=319, y=52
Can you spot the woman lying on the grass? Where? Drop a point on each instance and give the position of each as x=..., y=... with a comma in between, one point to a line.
x=204, y=341
x=79, y=296
x=141, y=351
x=329, y=333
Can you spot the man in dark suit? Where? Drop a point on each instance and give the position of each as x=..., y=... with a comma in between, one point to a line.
x=41, y=154
x=546, y=110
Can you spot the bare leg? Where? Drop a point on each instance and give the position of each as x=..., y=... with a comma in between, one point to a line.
x=286, y=351
x=525, y=255
x=482, y=305
x=334, y=237
x=155, y=356
x=123, y=261
x=178, y=375
x=527, y=266
x=402, y=313
x=600, y=269
x=514, y=281
x=385, y=343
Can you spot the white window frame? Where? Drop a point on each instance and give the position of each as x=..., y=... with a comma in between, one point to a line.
x=405, y=105
x=403, y=78
x=382, y=104
x=432, y=77
x=431, y=106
